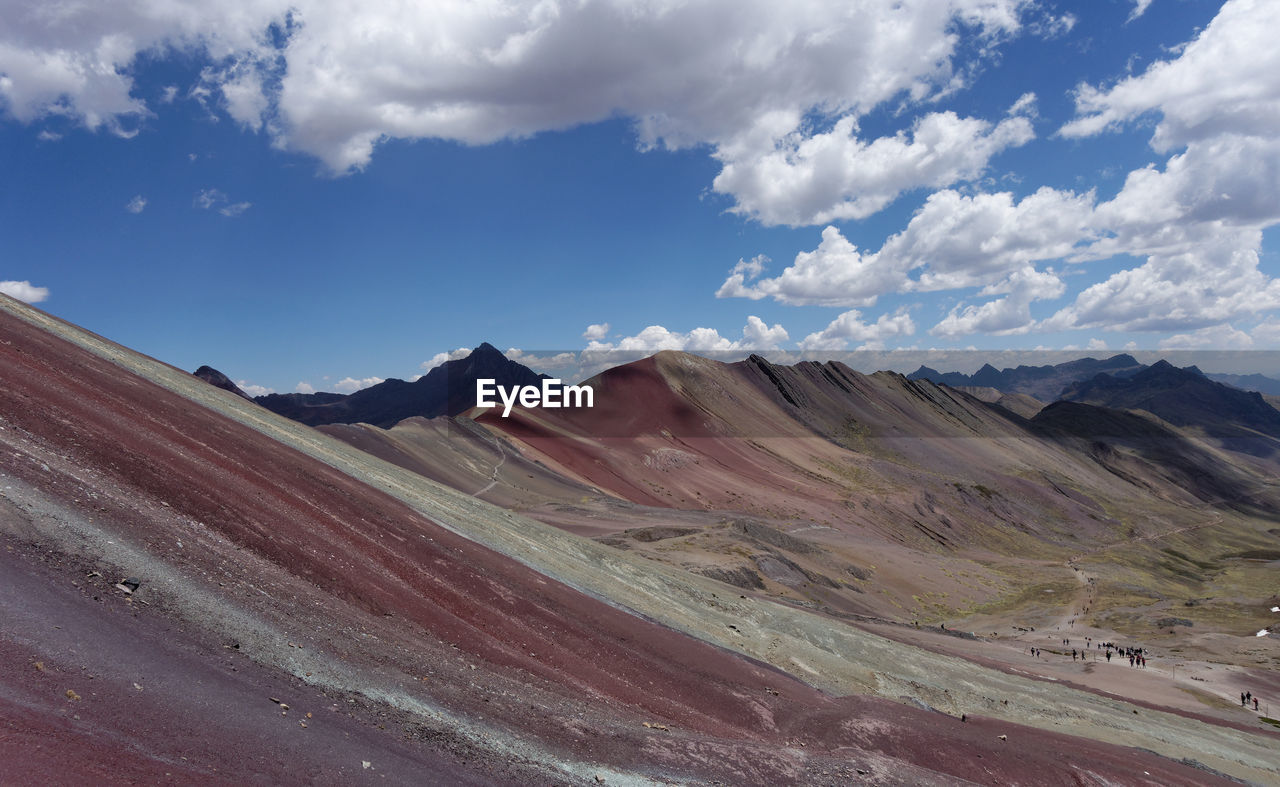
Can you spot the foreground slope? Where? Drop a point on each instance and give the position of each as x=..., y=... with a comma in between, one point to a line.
x=275, y=562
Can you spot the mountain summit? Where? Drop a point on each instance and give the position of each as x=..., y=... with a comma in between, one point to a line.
x=219, y=380
x=448, y=389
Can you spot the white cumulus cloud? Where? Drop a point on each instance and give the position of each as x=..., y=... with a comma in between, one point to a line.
x=1215, y=282
x=1223, y=82
x=954, y=241
x=1003, y=316
x=351, y=385
x=252, y=389
x=819, y=178
x=136, y=205
x=24, y=291
x=836, y=273
x=439, y=358
x=851, y=327
x=1194, y=220
x=334, y=80
x=1214, y=337
x=596, y=332
x=756, y=335
x=547, y=363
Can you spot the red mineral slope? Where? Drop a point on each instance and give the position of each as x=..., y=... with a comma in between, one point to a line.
x=292, y=624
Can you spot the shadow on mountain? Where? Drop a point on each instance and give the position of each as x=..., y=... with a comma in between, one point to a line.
x=1149, y=454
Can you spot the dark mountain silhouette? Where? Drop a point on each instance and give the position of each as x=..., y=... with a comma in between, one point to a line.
x=219, y=380
x=1043, y=382
x=448, y=389
x=1183, y=397
x=1248, y=382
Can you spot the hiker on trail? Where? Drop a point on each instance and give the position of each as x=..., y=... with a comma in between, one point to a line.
x=1130, y=659
x=1243, y=699
x=1248, y=695
x=1073, y=654
x=1255, y=703
x=1108, y=657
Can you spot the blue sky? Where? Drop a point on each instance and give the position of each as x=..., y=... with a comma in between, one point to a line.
x=310, y=197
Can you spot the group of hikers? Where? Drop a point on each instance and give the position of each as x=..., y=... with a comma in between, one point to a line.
x=1137, y=656
x=1245, y=697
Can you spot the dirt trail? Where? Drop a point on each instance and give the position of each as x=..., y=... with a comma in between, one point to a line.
x=502, y=460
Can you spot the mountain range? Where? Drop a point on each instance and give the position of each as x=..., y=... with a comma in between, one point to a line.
x=741, y=573
x=710, y=467
x=1048, y=383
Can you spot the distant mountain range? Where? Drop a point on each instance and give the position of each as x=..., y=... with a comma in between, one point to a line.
x=1047, y=383
x=448, y=389
x=1043, y=382
x=1182, y=397
x=1248, y=382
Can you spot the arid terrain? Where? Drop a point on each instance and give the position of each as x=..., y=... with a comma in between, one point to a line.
x=734, y=573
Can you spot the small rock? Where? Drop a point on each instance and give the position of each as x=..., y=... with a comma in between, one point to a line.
x=40, y=666
x=1004, y=737
x=366, y=764
x=71, y=695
